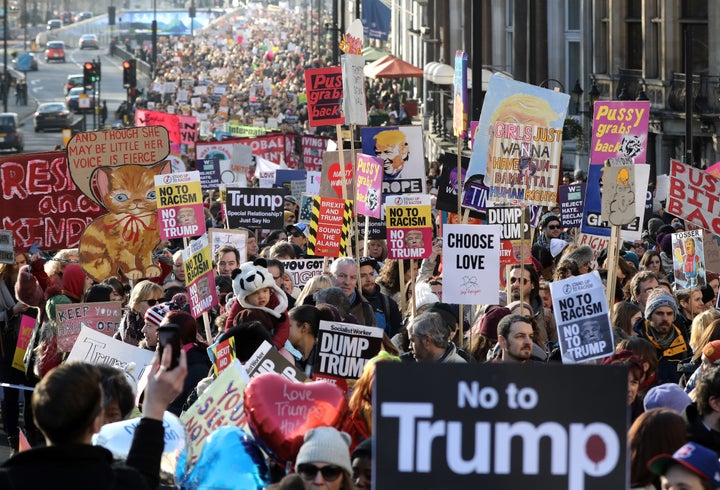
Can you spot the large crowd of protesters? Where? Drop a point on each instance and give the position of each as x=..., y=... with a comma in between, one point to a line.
x=669, y=338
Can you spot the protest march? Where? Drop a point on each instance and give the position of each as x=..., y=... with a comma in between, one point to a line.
x=211, y=299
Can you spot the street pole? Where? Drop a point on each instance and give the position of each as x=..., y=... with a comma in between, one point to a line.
x=154, y=41
x=6, y=85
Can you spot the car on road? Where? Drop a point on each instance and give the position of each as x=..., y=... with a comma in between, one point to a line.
x=88, y=41
x=54, y=24
x=55, y=51
x=52, y=115
x=73, y=81
x=83, y=16
x=33, y=61
x=11, y=138
x=67, y=18
x=73, y=99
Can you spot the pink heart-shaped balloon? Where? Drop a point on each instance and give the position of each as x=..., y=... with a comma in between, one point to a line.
x=281, y=411
x=336, y=177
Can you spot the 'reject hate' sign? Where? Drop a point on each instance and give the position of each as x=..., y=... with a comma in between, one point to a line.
x=471, y=256
x=179, y=205
x=499, y=426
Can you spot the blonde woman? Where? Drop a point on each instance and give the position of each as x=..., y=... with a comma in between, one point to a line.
x=144, y=295
x=314, y=285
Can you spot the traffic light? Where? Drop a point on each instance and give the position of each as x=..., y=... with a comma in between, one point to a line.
x=111, y=15
x=129, y=74
x=88, y=69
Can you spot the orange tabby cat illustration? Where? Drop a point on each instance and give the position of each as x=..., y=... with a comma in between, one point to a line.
x=124, y=239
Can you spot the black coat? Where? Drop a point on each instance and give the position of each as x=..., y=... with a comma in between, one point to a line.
x=698, y=432
x=82, y=466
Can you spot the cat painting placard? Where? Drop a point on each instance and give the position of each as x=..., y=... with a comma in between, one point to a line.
x=117, y=170
x=179, y=203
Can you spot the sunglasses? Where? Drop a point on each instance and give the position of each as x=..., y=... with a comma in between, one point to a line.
x=151, y=302
x=310, y=471
x=513, y=280
x=553, y=227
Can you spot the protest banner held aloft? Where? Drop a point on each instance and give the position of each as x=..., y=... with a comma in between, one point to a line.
x=581, y=316
x=179, y=202
x=255, y=208
x=343, y=349
x=409, y=226
x=499, y=426
x=199, y=276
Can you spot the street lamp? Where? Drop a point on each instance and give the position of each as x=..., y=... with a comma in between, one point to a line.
x=154, y=39
x=576, y=96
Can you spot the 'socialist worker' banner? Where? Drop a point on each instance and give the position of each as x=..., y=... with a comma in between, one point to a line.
x=499, y=426
x=519, y=141
x=694, y=196
x=409, y=226
x=471, y=257
x=620, y=129
x=324, y=87
x=199, y=276
x=179, y=203
x=581, y=315
x=343, y=349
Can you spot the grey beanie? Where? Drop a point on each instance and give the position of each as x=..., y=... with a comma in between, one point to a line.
x=326, y=445
x=659, y=297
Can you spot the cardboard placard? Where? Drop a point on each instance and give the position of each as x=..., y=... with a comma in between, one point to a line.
x=409, y=226
x=581, y=315
x=401, y=150
x=219, y=237
x=324, y=87
x=302, y=270
x=499, y=425
x=688, y=254
x=180, y=207
x=104, y=317
x=27, y=324
x=620, y=128
x=368, y=197
x=7, y=247
x=267, y=359
x=572, y=199
x=693, y=196
x=329, y=226
x=199, y=276
x=471, y=256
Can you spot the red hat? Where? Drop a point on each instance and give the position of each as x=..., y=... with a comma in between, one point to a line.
x=490, y=320
x=73, y=281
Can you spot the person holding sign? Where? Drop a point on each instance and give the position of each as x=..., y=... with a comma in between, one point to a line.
x=671, y=345
x=67, y=406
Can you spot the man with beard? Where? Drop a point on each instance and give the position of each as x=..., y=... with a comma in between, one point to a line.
x=659, y=328
x=387, y=313
x=526, y=279
x=515, y=337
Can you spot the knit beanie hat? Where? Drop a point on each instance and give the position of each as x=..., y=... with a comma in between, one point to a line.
x=326, y=445
x=659, y=297
x=27, y=288
x=155, y=314
x=549, y=218
x=73, y=281
x=424, y=295
x=665, y=243
x=490, y=320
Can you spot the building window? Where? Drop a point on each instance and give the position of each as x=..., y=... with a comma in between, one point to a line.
x=694, y=20
x=573, y=39
x=509, y=39
x=633, y=23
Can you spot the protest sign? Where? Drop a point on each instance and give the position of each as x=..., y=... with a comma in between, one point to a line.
x=171, y=123
x=312, y=182
x=305, y=213
x=219, y=237
x=519, y=142
x=179, y=202
x=235, y=160
x=265, y=172
x=297, y=188
x=513, y=237
x=269, y=146
x=209, y=169
x=581, y=315
x=255, y=208
x=447, y=184
x=693, y=196
x=7, y=247
x=596, y=242
x=401, y=150
x=688, y=259
x=94, y=347
x=103, y=317
x=499, y=426
x=471, y=256
x=409, y=226
x=199, y=276
x=324, y=87
x=460, y=95
x=329, y=226
x=331, y=180
x=368, y=197
x=620, y=129
x=302, y=270
x=39, y=203
x=267, y=359
x=285, y=176
x=618, y=195
x=222, y=353
x=221, y=404
x=354, y=101
x=592, y=212
x=27, y=324
x=572, y=198
x=711, y=244
x=343, y=349
x=313, y=148
x=475, y=196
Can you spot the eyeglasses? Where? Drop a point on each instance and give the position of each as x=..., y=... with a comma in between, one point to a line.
x=310, y=471
x=151, y=302
x=277, y=278
x=523, y=280
x=553, y=227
